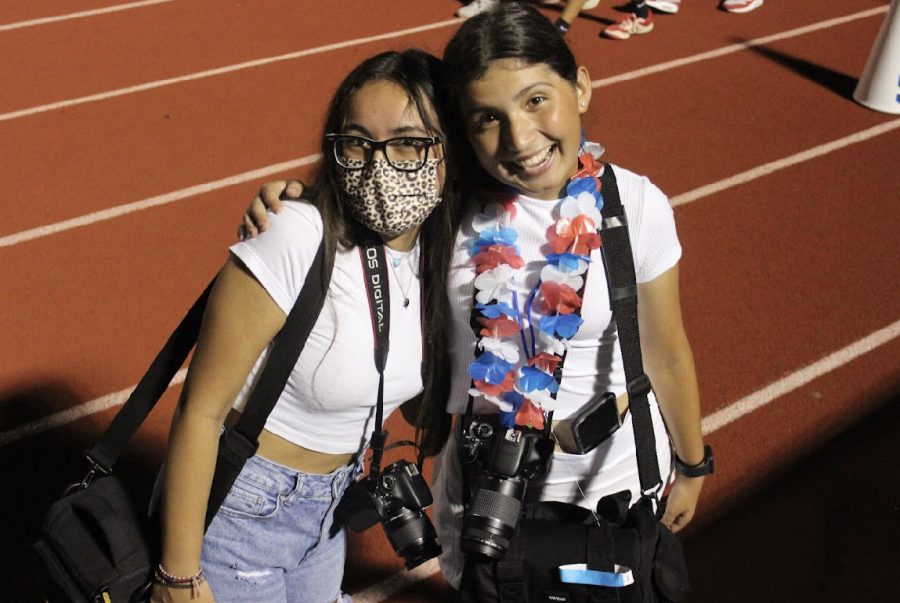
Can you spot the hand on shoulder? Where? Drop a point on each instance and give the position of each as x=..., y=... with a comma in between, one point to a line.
x=269, y=197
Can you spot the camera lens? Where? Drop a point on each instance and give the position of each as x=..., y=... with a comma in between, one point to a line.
x=493, y=515
x=483, y=430
x=412, y=536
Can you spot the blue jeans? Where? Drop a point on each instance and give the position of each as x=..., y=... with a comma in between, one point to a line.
x=270, y=539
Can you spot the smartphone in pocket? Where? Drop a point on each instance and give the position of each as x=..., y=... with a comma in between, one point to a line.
x=594, y=422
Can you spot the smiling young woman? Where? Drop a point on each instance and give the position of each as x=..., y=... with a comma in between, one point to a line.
x=523, y=122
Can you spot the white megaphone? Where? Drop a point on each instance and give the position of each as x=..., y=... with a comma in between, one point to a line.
x=879, y=86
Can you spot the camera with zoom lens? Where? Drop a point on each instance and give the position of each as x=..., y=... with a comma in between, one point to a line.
x=397, y=497
x=508, y=459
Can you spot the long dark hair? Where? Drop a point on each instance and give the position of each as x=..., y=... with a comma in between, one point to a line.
x=510, y=30
x=421, y=75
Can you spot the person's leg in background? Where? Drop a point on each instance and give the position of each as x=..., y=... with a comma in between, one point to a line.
x=567, y=17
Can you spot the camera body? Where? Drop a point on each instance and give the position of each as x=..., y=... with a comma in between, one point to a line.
x=508, y=458
x=397, y=497
x=398, y=487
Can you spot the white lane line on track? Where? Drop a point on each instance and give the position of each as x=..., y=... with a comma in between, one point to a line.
x=598, y=83
x=41, y=231
x=682, y=199
x=180, y=195
x=780, y=164
x=734, y=411
x=773, y=391
x=76, y=412
x=80, y=15
x=719, y=52
x=221, y=70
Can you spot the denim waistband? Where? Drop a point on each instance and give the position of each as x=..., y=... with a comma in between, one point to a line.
x=280, y=478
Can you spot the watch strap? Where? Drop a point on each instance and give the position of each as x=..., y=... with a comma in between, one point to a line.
x=704, y=467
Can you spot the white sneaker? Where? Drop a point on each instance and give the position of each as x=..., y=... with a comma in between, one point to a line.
x=629, y=26
x=665, y=6
x=740, y=6
x=474, y=7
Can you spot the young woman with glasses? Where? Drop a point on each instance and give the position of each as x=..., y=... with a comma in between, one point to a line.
x=385, y=174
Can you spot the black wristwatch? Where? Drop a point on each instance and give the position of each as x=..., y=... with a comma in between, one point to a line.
x=704, y=467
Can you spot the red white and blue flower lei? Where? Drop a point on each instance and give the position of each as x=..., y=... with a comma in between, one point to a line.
x=524, y=391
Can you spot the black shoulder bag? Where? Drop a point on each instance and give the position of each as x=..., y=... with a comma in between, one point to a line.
x=563, y=552
x=95, y=545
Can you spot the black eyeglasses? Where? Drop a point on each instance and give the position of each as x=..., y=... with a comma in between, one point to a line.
x=405, y=153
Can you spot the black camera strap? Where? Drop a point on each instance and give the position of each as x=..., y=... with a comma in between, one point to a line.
x=374, y=263
x=238, y=444
x=619, y=263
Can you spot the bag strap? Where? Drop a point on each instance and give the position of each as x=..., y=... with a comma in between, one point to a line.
x=238, y=444
x=241, y=441
x=619, y=263
x=150, y=388
x=510, y=570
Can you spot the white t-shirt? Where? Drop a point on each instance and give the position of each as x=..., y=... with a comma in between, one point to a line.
x=593, y=363
x=329, y=400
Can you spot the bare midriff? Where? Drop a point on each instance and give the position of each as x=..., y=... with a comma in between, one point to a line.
x=281, y=451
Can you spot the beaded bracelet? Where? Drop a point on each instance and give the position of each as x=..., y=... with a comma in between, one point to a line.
x=191, y=582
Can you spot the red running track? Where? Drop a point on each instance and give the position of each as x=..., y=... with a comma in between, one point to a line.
x=132, y=140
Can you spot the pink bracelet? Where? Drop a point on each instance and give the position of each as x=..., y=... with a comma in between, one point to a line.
x=192, y=582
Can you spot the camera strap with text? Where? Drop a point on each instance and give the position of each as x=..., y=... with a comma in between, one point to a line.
x=374, y=263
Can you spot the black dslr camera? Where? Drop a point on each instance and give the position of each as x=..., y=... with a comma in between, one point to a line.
x=397, y=497
x=508, y=459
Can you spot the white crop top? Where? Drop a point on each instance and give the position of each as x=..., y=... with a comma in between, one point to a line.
x=593, y=363
x=328, y=404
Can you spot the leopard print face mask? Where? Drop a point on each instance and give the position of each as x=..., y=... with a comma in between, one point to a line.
x=390, y=201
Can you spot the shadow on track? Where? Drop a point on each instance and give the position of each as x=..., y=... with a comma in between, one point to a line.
x=35, y=470
x=824, y=531
x=840, y=83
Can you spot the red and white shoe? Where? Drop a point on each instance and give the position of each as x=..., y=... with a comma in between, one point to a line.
x=665, y=6
x=475, y=7
x=629, y=26
x=739, y=6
